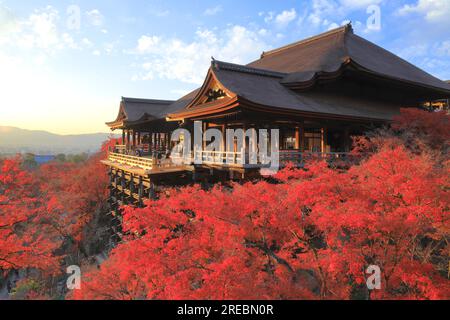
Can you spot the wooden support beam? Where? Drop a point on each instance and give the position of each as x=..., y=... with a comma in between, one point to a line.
x=141, y=190
x=302, y=136
x=323, y=139
x=347, y=139
x=131, y=183
x=297, y=138
x=151, y=191
x=123, y=185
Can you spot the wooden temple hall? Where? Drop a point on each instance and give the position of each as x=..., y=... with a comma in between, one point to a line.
x=318, y=92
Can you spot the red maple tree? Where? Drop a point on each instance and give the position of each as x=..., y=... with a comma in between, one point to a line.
x=310, y=234
x=25, y=241
x=43, y=216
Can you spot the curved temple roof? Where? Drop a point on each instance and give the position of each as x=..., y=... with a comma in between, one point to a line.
x=134, y=110
x=333, y=50
x=264, y=88
x=269, y=82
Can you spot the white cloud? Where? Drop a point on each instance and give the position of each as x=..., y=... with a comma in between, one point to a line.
x=42, y=25
x=269, y=16
x=180, y=92
x=263, y=32
x=284, y=18
x=358, y=4
x=68, y=40
x=8, y=22
x=213, y=11
x=413, y=51
x=86, y=42
x=329, y=14
x=443, y=49
x=39, y=31
x=175, y=59
x=162, y=13
x=95, y=17
x=321, y=10
x=332, y=26
x=433, y=10
x=147, y=44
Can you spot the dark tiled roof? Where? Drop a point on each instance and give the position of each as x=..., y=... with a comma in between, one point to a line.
x=330, y=51
x=268, y=91
x=134, y=109
x=181, y=103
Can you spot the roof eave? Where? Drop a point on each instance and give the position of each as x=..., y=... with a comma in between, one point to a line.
x=325, y=75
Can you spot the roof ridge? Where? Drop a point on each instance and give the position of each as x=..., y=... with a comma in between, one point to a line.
x=153, y=101
x=346, y=28
x=241, y=68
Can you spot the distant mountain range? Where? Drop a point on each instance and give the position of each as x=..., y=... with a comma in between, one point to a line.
x=15, y=140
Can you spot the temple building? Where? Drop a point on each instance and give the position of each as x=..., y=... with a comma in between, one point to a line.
x=318, y=92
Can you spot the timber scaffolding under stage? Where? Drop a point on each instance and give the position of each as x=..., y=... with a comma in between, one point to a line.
x=133, y=185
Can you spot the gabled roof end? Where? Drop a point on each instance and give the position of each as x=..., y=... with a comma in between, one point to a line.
x=343, y=29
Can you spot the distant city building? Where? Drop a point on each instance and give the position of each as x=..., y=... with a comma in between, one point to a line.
x=41, y=159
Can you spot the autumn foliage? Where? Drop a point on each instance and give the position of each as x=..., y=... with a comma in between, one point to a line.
x=304, y=234
x=43, y=214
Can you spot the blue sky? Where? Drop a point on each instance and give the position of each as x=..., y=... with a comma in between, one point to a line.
x=65, y=64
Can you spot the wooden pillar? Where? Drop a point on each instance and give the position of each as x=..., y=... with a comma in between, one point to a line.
x=134, y=138
x=138, y=138
x=302, y=137
x=169, y=142
x=152, y=141
x=151, y=191
x=123, y=136
x=111, y=187
x=141, y=191
x=205, y=127
x=297, y=138
x=223, y=130
x=347, y=142
x=128, y=137
x=131, y=187
x=122, y=184
x=323, y=132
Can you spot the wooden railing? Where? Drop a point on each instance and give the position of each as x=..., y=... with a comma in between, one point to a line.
x=120, y=148
x=133, y=161
x=298, y=156
x=138, y=150
x=220, y=157
x=285, y=156
x=225, y=158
